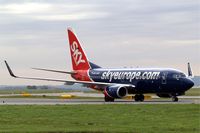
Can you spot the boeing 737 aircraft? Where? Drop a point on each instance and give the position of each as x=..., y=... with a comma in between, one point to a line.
x=117, y=83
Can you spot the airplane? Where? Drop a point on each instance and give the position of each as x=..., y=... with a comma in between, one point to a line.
x=118, y=83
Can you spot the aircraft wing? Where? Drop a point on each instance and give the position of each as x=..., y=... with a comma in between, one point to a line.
x=85, y=83
x=50, y=70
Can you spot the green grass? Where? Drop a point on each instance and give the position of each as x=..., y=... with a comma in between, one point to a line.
x=101, y=118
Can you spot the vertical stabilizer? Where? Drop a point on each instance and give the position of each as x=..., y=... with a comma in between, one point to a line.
x=78, y=57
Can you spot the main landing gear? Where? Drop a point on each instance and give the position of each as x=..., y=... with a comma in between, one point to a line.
x=174, y=98
x=139, y=97
x=108, y=99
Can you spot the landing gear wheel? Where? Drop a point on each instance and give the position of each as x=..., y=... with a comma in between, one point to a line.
x=175, y=99
x=109, y=99
x=139, y=98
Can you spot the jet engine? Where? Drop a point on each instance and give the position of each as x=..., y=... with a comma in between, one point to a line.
x=115, y=91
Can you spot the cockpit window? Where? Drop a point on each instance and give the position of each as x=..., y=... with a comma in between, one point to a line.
x=176, y=76
x=182, y=75
x=179, y=75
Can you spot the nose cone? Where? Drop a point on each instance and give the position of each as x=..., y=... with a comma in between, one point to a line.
x=188, y=83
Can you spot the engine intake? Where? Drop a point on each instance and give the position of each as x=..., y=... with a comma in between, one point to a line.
x=115, y=91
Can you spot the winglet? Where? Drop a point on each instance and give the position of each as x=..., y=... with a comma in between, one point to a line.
x=9, y=70
x=189, y=70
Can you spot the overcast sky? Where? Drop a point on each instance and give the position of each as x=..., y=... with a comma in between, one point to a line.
x=114, y=33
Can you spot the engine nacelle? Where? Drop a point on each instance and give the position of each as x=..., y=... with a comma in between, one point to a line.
x=115, y=91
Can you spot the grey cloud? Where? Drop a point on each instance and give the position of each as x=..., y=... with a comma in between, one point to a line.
x=119, y=33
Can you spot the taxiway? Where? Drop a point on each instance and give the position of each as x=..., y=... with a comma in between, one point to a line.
x=45, y=101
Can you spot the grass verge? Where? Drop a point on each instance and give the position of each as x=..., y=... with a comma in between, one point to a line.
x=100, y=118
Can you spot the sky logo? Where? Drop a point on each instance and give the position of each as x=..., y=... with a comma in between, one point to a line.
x=76, y=54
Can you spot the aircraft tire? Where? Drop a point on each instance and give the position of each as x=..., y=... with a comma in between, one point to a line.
x=175, y=99
x=108, y=99
x=139, y=98
x=136, y=98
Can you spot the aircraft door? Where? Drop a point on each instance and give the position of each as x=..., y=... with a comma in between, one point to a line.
x=164, y=78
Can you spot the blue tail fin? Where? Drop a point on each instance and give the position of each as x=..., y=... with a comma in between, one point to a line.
x=93, y=66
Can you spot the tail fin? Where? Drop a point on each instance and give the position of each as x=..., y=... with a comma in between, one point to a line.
x=79, y=59
x=189, y=70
